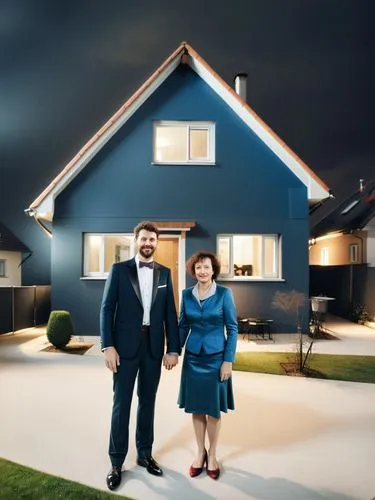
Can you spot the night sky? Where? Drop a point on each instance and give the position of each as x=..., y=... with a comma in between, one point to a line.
x=66, y=67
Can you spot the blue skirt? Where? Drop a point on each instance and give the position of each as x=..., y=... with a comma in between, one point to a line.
x=201, y=390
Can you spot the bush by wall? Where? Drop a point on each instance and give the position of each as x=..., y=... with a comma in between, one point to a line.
x=59, y=328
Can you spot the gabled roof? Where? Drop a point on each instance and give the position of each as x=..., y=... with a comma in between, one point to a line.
x=9, y=241
x=43, y=206
x=352, y=214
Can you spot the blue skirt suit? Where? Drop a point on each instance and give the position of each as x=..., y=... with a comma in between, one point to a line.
x=208, y=330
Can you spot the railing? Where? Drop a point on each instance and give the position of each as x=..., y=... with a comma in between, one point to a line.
x=24, y=307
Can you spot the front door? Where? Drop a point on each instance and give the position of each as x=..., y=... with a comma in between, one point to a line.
x=167, y=255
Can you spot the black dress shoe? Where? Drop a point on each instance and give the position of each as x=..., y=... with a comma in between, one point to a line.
x=151, y=466
x=114, y=477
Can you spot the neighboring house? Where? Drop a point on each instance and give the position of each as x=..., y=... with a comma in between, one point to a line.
x=342, y=254
x=11, y=250
x=187, y=152
x=347, y=234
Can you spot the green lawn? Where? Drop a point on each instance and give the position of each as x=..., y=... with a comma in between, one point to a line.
x=22, y=483
x=329, y=366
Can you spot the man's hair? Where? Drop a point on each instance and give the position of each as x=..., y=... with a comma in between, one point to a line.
x=198, y=257
x=147, y=226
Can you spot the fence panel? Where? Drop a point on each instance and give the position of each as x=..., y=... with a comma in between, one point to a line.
x=346, y=284
x=24, y=307
x=6, y=309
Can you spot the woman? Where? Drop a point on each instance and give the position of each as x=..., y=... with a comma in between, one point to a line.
x=206, y=383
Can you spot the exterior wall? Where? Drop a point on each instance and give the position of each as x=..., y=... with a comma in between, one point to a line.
x=338, y=249
x=371, y=247
x=371, y=243
x=13, y=272
x=248, y=191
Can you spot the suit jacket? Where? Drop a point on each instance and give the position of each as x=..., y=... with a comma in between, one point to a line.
x=121, y=312
x=202, y=326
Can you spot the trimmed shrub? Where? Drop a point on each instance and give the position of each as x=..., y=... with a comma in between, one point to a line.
x=59, y=328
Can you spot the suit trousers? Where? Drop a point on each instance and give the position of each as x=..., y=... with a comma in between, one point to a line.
x=148, y=370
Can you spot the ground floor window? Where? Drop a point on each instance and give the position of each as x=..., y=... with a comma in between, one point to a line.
x=249, y=256
x=103, y=250
x=354, y=253
x=2, y=268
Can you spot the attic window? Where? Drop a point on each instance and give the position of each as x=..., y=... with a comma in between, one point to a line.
x=180, y=143
x=349, y=207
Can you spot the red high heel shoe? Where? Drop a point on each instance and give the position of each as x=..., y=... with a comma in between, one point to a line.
x=195, y=471
x=213, y=473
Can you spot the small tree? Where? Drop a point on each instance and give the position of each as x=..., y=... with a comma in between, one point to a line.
x=291, y=303
x=59, y=328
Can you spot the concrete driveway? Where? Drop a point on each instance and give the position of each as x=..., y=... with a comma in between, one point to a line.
x=289, y=438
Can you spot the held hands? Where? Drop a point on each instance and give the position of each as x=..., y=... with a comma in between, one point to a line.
x=225, y=370
x=112, y=359
x=169, y=361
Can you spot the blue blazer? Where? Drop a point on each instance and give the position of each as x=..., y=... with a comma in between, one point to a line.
x=202, y=327
x=121, y=312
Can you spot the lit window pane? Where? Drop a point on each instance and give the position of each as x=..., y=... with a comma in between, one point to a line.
x=93, y=243
x=198, y=144
x=247, y=255
x=269, y=257
x=224, y=255
x=170, y=144
x=116, y=249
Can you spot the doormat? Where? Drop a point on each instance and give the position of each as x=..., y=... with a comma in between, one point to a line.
x=71, y=348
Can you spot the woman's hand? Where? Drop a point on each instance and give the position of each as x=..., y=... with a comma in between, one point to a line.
x=225, y=370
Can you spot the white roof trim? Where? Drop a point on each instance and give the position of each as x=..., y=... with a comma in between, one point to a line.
x=314, y=189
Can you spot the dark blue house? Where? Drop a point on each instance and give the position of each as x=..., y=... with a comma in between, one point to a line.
x=187, y=152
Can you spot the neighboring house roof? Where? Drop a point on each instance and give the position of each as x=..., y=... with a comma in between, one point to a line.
x=43, y=206
x=352, y=214
x=10, y=242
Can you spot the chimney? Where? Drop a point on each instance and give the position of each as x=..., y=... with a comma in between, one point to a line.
x=240, y=81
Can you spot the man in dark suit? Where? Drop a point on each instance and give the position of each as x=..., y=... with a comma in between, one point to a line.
x=137, y=315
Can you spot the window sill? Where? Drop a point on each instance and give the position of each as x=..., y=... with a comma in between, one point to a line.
x=93, y=278
x=184, y=163
x=250, y=279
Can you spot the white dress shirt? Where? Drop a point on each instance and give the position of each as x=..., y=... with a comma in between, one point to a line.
x=145, y=279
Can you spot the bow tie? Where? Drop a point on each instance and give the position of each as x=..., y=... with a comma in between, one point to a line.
x=150, y=265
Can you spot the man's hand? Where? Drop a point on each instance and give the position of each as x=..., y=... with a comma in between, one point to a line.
x=112, y=359
x=225, y=370
x=170, y=360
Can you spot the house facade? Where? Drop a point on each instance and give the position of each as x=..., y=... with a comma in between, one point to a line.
x=188, y=153
x=342, y=252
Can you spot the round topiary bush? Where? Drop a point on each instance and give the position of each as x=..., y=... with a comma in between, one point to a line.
x=59, y=328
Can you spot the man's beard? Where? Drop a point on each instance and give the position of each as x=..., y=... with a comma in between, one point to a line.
x=147, y=252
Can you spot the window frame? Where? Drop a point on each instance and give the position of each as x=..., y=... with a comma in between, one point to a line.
x=101, y=273
x=354, y=253
x=3, y=265
x=189, y=125
x=275, y=276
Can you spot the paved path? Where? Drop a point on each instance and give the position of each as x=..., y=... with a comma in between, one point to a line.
x=289, y=439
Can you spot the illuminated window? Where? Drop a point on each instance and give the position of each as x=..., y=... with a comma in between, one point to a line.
x=103, y=250
x=324, y=256
x=184, y=143
x=249, y=256
x=354, y=253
